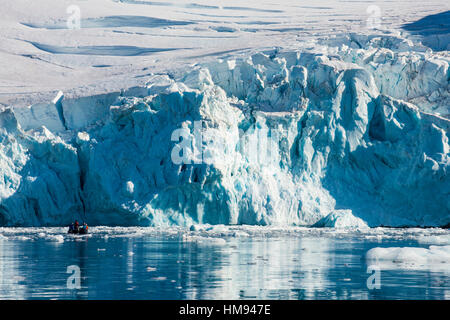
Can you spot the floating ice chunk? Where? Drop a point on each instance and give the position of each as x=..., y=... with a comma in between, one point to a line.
x=217, y=228
x=435, y=239
x=433, y=258
x=56, y=238
x=23, y=238
x=213, y=241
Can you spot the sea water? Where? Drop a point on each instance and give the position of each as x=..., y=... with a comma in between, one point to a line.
x=215, y=262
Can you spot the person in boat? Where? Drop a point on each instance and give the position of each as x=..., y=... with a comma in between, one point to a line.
x=74, y=227
x=84, y=228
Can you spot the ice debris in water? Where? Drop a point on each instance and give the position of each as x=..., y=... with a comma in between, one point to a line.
x=433, y=258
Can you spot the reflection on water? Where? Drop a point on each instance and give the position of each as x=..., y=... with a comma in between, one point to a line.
x=161, y=267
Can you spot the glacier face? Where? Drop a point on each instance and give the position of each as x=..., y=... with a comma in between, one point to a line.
x=356, y=135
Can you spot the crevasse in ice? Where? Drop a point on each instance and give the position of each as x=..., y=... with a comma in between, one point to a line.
x=356, y=136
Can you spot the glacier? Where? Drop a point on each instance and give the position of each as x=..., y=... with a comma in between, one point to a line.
x=351, y=134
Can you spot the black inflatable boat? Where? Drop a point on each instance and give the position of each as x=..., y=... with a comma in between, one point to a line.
x=76, y=229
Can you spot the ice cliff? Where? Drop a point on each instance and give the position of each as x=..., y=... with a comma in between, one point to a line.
x=354, y=136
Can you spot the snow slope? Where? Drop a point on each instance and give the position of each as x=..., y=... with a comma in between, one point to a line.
x=121, y=42
x=342, y=130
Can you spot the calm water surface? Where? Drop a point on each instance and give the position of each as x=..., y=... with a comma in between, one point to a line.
x=126, y=264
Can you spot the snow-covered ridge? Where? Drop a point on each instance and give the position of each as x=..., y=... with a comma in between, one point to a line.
x=361, y=133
